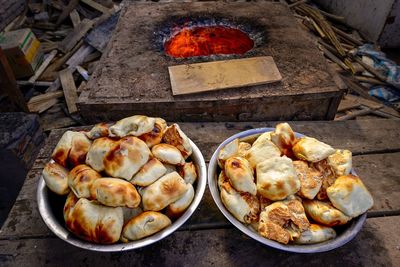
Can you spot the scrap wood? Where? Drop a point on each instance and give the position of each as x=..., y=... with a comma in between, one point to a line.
x=76, y=35
x=45, y=97
x=69, y=88
x=43, y=66
x=42, y=106
x=79, y=56
x=75, y=19
x=347, y=36
x=352, y=115
x=96, y=6
x=66, y=10
x=332, y=57
x=358, y=88
x=43, y=102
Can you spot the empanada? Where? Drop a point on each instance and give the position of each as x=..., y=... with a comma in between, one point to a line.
x=324, y=213
x=175, y=209
x=114, y=192
x=94, y=222
x=283, y=221
x=276, y=178
x=316, y=234
x=71, y=150
x=126, y=157
x=349, y=195
x=145, y=224
x=312, y=150
x=229, y=150
x=99, y=130
x=243, y=206
x=310, y=179
x=240, y=175
x=188, y=172
x=341, y=162
x=56, y=178
x=149, y=173
x=284, y=138
x=80, y=180
x=98, y=151
x=69, y=204
x=155, y=136
x=328, y=177
x=134, y=125
x=163, y=192
x=243, y=149
x=168, y=154
x=262, y=149
x=174, y=136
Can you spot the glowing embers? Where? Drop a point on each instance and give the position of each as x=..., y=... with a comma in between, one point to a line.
x=206, y=41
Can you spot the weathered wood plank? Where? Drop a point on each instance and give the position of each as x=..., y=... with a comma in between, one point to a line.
x=75, y=19
x=43, y=66
x=76, y=35
x=69, y=88
x=376, y=245
x=216, y=75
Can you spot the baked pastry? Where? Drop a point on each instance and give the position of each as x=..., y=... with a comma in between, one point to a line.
x=71, y=150
x=312, y=150
x=94, y=222
x=310, y=179
x=145, y=224
x=240, y=175
x=134, y=125
x=188, y=172
x=168, y=154
x=174, y=136
x=284, y=138
x=80, y=180
x=163, y=192
x=349, y=195
x=69, y=204
x=114, y=192
x=56, y=178
x=243, y=206
x=316, y=234
x=229, y=150
x=283, y=221
x=328, y=177
x=262, y=149
x=154, y=137
x=175, y=209
x=244, y=148
x=126, y=157
x=341, y=162
x=99, y=130
x=97, y=152
x=149, y=173
x=324, y=213
x=277, y=178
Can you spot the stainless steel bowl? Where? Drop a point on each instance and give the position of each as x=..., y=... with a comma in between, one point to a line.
x=51, y=210
x=344, y=233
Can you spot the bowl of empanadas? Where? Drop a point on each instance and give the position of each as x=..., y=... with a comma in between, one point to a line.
x=122, y=185
x=287, y=190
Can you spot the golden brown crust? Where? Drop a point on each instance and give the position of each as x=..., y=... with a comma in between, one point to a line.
x=154, y=137
x=328, y=177
x=174, y=136
x=240, y=175
x=80, y=180
x=310, y=179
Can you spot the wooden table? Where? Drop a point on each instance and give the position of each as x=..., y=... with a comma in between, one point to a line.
x=208, y=238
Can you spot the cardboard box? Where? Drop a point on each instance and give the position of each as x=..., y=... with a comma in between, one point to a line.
x=22, y=50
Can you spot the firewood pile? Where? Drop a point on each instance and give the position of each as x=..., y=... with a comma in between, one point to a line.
x=73, y=35
x=337, y=41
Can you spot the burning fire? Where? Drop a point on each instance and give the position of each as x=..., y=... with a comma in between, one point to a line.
x=205, y=41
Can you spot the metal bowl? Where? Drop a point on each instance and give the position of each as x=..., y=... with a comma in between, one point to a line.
x=345, y=233
x=51, y=210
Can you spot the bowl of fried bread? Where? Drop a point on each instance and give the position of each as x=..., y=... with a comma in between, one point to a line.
x=121, y=186
x=287, y=190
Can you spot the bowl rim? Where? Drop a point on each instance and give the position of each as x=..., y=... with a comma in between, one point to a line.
x=346, y=236
x=62, y=232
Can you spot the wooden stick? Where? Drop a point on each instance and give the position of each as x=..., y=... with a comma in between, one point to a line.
x=36, y=83
x=370, y=69
x=347, y=36
x=65, y=12
x=44, y=97
x=76, y=35
x=69, y=88
x=332, y=57
x=369, y=80
x=96, y=6
x=297, y=3
x=43, y=66
x=43, y=106
x=75, y=19
x=363, y=111
x=358, y=88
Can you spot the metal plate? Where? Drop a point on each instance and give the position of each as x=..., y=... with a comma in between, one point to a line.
x=56, y=223
x=344, y=235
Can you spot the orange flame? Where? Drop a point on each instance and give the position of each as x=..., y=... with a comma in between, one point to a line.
x=205, y=41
